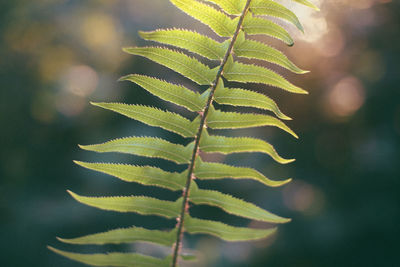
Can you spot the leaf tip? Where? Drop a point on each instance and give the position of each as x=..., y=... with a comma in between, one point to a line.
x=57, y=251
x=51, y=248
x=123, y=78
x=289, y=161
x=75, y=196
x=125, y=49
x=304, y=72
x=77, y=162
x=82, y=147
x=61, y=239
x=97, y=104
x=287, y=181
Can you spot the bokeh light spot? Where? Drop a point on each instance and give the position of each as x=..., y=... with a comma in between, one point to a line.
x=346, y=97
x=80, y=80
x=303, y=197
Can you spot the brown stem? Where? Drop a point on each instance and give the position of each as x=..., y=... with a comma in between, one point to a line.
x=198, y=137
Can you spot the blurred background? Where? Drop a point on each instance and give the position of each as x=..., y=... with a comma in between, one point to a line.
x=56, y=56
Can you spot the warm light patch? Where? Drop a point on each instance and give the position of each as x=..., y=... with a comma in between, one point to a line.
x=346, y=97
x=80, y=80
x=303, y=197
x=99, y=31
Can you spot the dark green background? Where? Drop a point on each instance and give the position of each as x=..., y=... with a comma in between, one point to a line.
x=345, y=198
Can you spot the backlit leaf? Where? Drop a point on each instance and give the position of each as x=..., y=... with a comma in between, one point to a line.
x=181, y=63
x=189, y=40
x=224, y=231
x=144, y=146
x=145, y=175
x=137, y=204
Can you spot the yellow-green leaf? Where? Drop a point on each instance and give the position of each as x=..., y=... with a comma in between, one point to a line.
x=257, y=50
x=125, y=235
x=247, y=98
x=188, y=66
x=273, y=9
x=307, y=3
x=232, y=120
x=146, y=147
x=239, y=72
x=137, y=204
x=233, y=205
x=224, y=231
x=154, y=117
x=175, y=94
x=220, y=23
x=255, y=25
x=228, y=145
x=189, y=40
x=232, y=7
x=145, y=175
x=114, y=259
x=213, y=171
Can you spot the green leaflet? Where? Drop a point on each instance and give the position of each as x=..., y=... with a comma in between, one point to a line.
x=114, y=259
x=256, y=25
x=145, y=175
x=212, y=171
x=189, y=40
x=239, y=72
x=228, y=145
x=246, y=98
x=271, y=8
x=232, y=7
x=126, y=235
x=189, y=67
x=253, y=49
x=216, y=20
x=144, y=146
x=233, y=205
x=307, y=3
x=224, y=231
x=137, y=204
x=154, y=117
x=175, y=94
x=232, y=120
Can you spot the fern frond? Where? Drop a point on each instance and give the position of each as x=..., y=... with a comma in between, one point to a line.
x=233, y=21
x=137, y=204
x=144, y=146
x=189, y=40
x=126, y=235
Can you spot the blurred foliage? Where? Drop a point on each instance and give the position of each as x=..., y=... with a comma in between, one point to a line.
x=55, y=56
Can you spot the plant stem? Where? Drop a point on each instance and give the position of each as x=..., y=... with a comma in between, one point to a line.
x=198, y=137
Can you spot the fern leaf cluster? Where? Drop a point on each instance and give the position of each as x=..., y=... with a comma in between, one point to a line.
x=236, y=21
